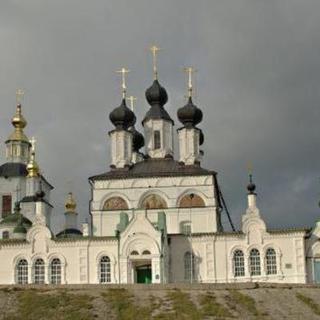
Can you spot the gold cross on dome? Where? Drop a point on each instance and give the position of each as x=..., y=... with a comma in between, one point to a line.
x=250, y=169
x=154, y=49
x=19, y=95
x=33, y=144
x=189, y=71
x=123, y=72
x=132, y=99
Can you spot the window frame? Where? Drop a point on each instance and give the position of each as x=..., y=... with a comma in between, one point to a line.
x=22, y=272
x=6, y=205
x=104, y=270
x=189, y=266
x=55, y=271
x=39, y=271
x=5, y=234
x=255, y=262
x=271, y=262
x=238, y=263
x=157, y=139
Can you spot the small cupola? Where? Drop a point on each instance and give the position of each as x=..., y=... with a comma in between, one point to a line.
x=18, y=144
x=157, y=123
x=70, y=204
x=121, y=137
x=32, y=166
x=190, y=137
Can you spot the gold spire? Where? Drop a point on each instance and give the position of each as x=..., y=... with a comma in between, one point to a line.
x=132, y=99
x=154, y=49
x=18, y=121
x=190, y=71
x=70, y=203
x=123, y=72
x=19, y=95
x=32, y=166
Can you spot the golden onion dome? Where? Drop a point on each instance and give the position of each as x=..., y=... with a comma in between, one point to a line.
x=19, y=123
x=70, y=203
x=32, y=167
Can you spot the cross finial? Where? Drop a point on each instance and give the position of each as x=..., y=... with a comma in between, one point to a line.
x=189, y=71
x=249, y=166
x=154, y=49
x=132, y=99
x=19, y=95
x=33, y=144
x=123, y=72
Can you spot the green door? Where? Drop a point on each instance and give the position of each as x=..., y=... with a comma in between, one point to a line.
x=317, y=271
x=144, y=274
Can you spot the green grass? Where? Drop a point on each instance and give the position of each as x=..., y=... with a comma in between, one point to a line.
x=309, y=302
x=182, y=308
x=245, y=301
x=122, y=304
x=210, y=307
x=55, y=305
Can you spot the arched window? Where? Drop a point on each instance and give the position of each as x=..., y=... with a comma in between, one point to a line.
x=134, y=253
x=105, y=270
x=55, y=271
x=185, y=228
x=115, y=203
x=238, y=263
x=189, y=266
x=22, y=272
x=255, y=267
x=146, y=252
x=38, y=271
x=156, y=139
x=153, y=201
x=191, y=201
x=271, y=261
x=5, y=235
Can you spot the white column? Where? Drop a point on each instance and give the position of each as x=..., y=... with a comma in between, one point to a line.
x=155, y=265
x=189, y=143
x=121, y=148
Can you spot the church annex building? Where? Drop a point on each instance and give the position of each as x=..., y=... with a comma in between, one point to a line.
x=154, y=215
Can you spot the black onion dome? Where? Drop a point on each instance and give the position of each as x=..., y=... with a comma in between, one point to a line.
x=122, y=117
x=189, y=115
x=157, y=97
x=251, y=187
x=156, y=94
x=137, y=139
x=201, y=138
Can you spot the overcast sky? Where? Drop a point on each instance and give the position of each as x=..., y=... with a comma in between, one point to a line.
x=258, y=85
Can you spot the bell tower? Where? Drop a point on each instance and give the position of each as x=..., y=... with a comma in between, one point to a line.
x=158, y=126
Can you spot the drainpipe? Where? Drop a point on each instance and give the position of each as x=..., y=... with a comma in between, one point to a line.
x=118, y=240
x=90, y=205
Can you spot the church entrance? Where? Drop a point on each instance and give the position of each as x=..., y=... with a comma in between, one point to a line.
x=144, y=274
x=317, y=271
x=142, y=271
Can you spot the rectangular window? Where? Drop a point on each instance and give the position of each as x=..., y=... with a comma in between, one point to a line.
x=6, y=205
x=157, y=139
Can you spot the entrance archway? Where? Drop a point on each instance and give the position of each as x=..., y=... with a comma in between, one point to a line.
x=143, y=273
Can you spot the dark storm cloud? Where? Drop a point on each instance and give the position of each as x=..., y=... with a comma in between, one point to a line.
x=257, y=83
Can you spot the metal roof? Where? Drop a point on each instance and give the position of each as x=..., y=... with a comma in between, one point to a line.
x=164, y=167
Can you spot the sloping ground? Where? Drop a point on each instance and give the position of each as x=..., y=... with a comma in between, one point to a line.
x=160, y=302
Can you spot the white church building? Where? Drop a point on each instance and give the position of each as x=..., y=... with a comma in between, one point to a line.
x=155, y=216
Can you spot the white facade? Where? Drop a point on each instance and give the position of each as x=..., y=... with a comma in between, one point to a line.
x=153, y=220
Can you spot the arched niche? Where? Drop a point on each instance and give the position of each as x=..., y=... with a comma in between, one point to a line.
x=189, y=201
x=153, y=201
x=115, y=203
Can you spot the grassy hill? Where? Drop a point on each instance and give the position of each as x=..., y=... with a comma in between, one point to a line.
x=160, y=302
